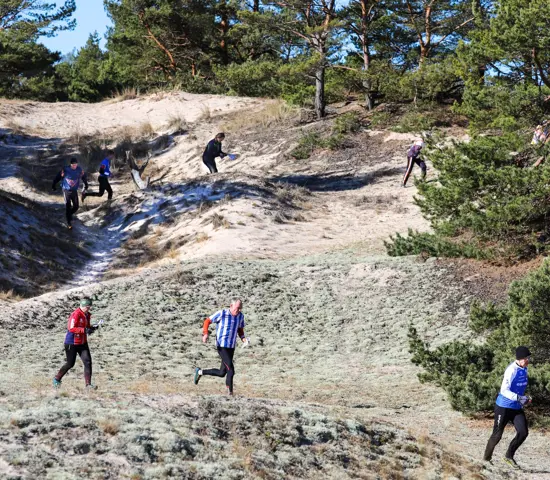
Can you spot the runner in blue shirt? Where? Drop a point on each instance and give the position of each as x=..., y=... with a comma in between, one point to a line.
x=509, y=407
x=103, y=178
x=70, y=177
x=230, y=323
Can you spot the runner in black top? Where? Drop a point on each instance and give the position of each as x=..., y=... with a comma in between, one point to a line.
x=213, y=150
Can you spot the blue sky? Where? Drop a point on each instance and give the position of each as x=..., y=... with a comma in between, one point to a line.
x=90, y=16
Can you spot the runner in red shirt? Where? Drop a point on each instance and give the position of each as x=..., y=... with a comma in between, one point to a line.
x=76, y=343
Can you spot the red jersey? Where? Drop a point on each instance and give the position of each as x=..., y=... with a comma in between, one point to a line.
x=76, y=328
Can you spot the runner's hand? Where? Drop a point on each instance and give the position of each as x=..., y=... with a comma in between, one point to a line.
x=205, y=338
x=524, y=400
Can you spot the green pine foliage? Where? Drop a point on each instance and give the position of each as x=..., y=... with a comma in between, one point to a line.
x=470, y=372
x=88, y=75
x=432, y=245
x=27, y=66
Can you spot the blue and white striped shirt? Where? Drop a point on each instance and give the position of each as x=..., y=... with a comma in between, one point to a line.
x=226, y=328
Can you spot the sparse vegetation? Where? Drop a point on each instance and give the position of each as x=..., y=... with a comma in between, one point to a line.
x=126, y=93
x=176, y=124
x=312, y=140
x=274, y=113
x=14, y=127
x=206, y=114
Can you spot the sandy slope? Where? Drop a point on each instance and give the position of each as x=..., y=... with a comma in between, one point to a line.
x=328, y=312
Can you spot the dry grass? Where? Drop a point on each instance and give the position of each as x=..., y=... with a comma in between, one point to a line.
x=378, y=201
x=176, y=124
x=206, y=113
x=109, y=426
x=217, y=221
x=10, y=296
x=201, y=237
x=274, y=113
x=145, y=130
x=15, y=127
x=289, y=193
x=173, y=253
x=127, y=93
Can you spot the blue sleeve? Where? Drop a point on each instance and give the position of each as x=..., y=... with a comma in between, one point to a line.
x=241, y=322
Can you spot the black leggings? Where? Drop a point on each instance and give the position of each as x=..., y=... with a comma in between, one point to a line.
x=502, y=417
x=411, y=161
x=210, y=163
x=104, y=185
x=84, y=352
x=71, y=203
x=227, y=367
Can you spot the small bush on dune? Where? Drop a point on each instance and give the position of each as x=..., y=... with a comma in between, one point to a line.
x=414, y=121
x=127, y=93
x=432, y=245
x=380, y=119
x=308, y=142
x=176, y=124
x=343, y=126
x=347, y=123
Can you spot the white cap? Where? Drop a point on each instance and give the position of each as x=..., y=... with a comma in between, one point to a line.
x=420, y=143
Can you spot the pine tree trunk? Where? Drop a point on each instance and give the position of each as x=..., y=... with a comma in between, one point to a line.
x=369, y=101
x=320, y=90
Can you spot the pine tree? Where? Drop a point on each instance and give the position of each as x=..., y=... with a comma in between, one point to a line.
x=26, y=66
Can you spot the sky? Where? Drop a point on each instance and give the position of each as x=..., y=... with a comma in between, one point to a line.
x=90, y=17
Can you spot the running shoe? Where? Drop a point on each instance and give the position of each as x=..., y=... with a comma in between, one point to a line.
x=91, y=387
x=56, y=383
x=197, y=376
x=512, y=463
x=229, y=392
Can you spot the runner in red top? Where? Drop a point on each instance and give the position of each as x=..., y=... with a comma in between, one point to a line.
x=76, y=343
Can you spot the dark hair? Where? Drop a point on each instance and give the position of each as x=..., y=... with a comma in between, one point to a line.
x=220, y=135
x=110, y=152
x=522, y=352
x=73, y=161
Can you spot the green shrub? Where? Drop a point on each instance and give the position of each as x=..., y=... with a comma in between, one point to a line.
x=380, y=119
x=252, y=79
x=499, y=105
x=343, y=125
x=432, y=245
x=347, y=123
x=414, y=121
x=306, y=145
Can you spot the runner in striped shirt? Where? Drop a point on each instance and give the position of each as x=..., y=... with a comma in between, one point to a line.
x=230, y=323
